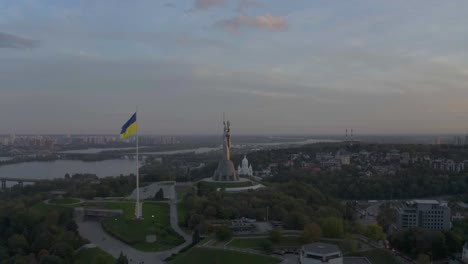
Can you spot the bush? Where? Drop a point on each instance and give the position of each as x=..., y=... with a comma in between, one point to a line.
x=266, y=245
x=333, y=227
x=223, y=233
x=275, y=236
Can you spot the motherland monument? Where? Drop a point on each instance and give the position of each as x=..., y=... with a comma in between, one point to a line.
x=225, y=170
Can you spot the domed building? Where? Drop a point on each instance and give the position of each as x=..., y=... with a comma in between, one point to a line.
x=245, y=169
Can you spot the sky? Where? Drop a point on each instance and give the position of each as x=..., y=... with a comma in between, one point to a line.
x=274, y=66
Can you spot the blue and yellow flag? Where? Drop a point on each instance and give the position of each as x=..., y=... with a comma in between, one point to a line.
x=129, y=127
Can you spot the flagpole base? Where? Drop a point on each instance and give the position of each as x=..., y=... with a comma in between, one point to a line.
x=138, y=212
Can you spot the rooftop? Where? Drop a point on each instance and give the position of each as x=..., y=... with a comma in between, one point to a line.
x=321, y=248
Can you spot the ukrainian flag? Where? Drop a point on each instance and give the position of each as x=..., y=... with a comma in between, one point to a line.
x=129, y=127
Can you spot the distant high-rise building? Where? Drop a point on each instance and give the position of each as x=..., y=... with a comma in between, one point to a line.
x=437, y=141
x=457, y=141
x=430, y=214
x=466, y=139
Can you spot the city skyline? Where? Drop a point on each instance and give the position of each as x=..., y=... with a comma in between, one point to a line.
x=312, y=67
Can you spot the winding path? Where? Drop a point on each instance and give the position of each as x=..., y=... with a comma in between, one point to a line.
x=93, y=232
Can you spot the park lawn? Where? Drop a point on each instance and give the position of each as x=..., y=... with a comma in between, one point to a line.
x=44, y=209
x=254, y=243
x=134, y=232
x=64, y=201
x=201, y=255
x=181, y=214
x=93, y=255
x=182, y=191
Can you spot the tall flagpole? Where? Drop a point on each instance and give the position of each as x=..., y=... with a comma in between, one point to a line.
x=138, y=207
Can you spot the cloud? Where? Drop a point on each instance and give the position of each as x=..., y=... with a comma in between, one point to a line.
x=245, y=4
x=268, y=93
x=205, y=4
x=183, y=40
x=266, y=22
x=15, y=42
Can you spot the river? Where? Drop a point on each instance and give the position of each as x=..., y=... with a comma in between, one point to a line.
x=201, y=149
x=58, y=168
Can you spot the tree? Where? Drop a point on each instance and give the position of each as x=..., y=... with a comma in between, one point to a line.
x=423, y=259
x=41, y=241
x=223, y=233
x=72, y=226
x=122, y=259
x=374, y=232
x=51, y=259
x=3, y=253
x=18, y=243
x=296, y=220
x=311, y=233
x=195, y=220
x=454, y=242
x=62, y=249
x=42, y=254
x=275, y=236
x=333, y=227
x=196, y=236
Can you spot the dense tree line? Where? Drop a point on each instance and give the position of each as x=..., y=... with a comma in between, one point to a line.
x=31, y=232
x=417, y=241
x=419, y=181
x=410, y=181
x=295, y=204
x=415, y=182
x=85, y=186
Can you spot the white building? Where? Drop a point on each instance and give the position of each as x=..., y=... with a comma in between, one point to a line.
x=318, y=253
x=245, y=169
x=343, y=156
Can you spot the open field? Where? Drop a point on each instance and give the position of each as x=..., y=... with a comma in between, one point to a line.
x=64, y=201
x=134, y=232
x=200, y=255
x=181, y=191
x=46, y=208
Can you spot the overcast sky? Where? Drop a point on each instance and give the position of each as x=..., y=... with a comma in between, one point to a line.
x=274, y=66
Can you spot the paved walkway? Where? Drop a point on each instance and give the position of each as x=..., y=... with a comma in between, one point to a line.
x=93, y=232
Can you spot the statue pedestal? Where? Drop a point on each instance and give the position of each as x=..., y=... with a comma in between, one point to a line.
x=225, y=171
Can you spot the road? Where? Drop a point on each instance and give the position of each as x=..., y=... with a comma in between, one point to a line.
x=371, y=214
x=95, y=234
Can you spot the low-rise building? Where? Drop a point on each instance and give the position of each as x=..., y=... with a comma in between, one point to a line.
x=318, y=253
x=430, y=214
